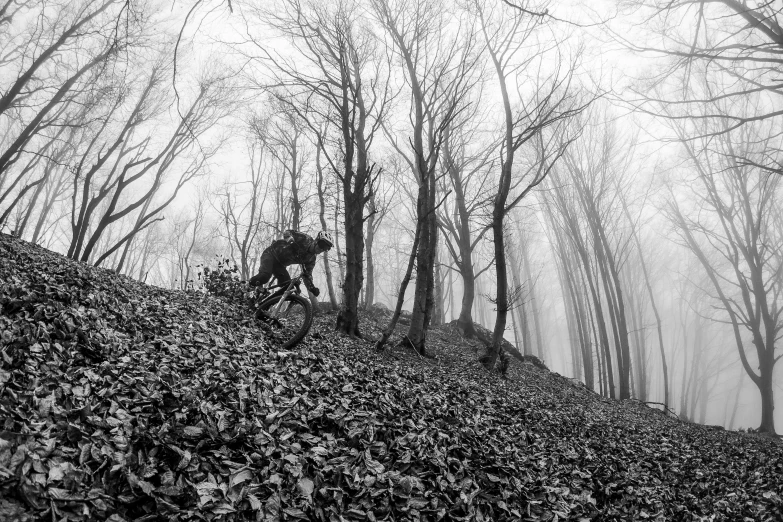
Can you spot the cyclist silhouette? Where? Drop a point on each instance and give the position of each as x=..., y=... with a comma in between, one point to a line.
x=295, y=248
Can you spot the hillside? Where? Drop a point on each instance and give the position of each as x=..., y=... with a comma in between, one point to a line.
x=121, y=401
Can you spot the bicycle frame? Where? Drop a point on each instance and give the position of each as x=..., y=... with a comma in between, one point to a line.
x=292, y=284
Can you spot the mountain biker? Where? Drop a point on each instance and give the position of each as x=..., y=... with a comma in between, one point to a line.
x=295, y=247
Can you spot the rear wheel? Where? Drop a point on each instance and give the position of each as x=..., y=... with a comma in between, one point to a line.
x=291, y=322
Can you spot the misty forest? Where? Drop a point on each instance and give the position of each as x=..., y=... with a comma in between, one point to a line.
x=597, y=183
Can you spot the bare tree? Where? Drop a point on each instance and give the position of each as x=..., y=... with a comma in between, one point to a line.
x=50, y=160
x=241, y=207
x=737, y=42
x=50, y=209
x=185, y=236
x=45, y=65
x=592, y=182
x=531, y=280
x=525, y=285
x=546, y=103
x=577, y=318
x=150, y=248
x=379, y=206
x=574, y=250
x=284, y=136
x=440, y=69
x=635, y=233
x=321, y=190
x=119, y=163
x=736, y=240
x=520, y=299
x=468, y=166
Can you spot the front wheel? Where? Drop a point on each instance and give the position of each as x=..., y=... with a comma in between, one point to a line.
x=291, y=322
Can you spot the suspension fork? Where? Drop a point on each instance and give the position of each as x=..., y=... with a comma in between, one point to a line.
x=294, y=283
x=278, y=307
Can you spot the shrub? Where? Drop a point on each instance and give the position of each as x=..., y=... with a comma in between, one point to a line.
x=222, y=280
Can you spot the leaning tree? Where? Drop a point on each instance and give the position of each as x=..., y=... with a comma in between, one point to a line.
x=728, y=215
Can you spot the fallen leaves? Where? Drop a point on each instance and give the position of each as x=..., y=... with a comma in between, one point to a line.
x=126, y=402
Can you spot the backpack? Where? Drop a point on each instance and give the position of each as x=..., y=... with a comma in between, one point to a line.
x=300, y=238
x=299, y=242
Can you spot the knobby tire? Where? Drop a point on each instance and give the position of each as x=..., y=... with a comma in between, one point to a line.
x=292, y=329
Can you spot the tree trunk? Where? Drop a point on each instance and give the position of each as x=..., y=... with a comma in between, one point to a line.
x=403, y=287
x=592, y=336
x=601, y=327
x=425, y=265
x=684, y=382
x=520, y=307
x=534, y=307
x=573, y=302
x=517, y=334
x=495, y=350
x=738, y=391
x=464, y=244
x=480, y=311
x=465, y=319
x=438, y=312
x=32, y=205
x=448, y=311
x=339, y=253
x=584, y=339
x=637, y=322
x=4, y=216
x=126, y=249
x=357, y=192
x=647, y=284
x=370, y=286
x=613, y=308
x=574, y=333
x=595, y=312
x=767, y=398
x=348, y=318
x=322, y=218
x=296, y=205
x=622, y=324
x=52, y=192
x=143, y=265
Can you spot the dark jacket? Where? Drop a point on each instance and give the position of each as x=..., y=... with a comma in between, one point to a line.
x=294, y=248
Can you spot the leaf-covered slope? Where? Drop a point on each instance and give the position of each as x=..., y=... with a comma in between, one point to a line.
x=125, y=402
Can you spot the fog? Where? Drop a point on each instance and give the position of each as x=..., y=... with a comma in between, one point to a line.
x=598, y=185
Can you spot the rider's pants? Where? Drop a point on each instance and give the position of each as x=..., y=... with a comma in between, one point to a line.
x=270, y=266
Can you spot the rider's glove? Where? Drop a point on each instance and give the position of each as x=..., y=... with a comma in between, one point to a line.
x=316, y=291
x=255, y=280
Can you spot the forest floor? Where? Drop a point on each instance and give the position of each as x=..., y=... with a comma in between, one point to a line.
x=121, y=401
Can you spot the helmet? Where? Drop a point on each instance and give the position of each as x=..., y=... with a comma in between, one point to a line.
x=325, y=237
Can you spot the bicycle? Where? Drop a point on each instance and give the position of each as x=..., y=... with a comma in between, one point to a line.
x=285, y=311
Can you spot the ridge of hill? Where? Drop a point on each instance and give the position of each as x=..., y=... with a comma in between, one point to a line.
x=120, y=401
